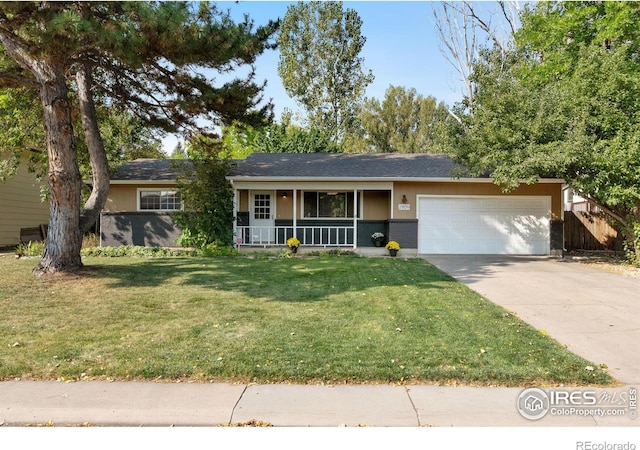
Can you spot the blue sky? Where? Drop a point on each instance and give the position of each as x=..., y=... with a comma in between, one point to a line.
x=402, y=49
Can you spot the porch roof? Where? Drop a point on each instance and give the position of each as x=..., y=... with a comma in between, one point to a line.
x=344, y=166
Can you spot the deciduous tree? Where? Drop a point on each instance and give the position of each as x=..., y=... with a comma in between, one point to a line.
x=403, y=122
x=566, y=104
x=320, y=64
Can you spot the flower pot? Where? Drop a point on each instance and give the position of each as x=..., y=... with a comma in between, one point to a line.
x=294, y=249
x=393, y=252
x=378, y=243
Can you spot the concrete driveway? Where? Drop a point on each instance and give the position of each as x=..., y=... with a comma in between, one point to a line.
x=594, y=312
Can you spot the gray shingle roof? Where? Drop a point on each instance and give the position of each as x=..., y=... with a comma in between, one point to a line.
x=306, y=165
x=149, y=170
x=345, y=165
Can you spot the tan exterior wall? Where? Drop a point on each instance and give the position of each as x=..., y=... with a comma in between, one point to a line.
x=412, y=190
x=124, y=197
x=244, y=201
x=20, y=206
x=375, y=205
x=284, y=206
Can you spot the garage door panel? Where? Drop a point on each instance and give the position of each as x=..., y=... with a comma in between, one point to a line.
x=484, y=225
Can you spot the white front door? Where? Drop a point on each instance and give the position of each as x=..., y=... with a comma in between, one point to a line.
x=262, y=217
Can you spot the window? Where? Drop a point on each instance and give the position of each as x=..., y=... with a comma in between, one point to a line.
x=160, y=201
x=262, y=206
x=328, y=205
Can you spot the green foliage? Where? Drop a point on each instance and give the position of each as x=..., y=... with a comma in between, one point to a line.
x=126, y=137
x=158, y=61
x=289, y=138
x=320, y=64
x=133, y=251
x=207, y=196
x=31, y=248
x=216, y=250
x=632, y=244
x=404, y=122
x=240, y=142
x=334, y=252
x=564, y=103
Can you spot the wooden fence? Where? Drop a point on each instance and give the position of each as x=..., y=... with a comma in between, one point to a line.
x=589, y=231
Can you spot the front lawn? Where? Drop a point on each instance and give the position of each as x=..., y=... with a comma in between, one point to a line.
x=269, y=319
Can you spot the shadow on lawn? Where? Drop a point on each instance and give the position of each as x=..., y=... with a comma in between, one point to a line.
x=279, y=279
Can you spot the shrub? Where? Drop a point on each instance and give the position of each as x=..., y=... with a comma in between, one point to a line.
x=31, y=248
x=215, y=249
x=134, y=251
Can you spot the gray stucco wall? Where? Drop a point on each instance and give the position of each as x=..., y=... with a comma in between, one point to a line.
x=149, y=229
x=556, y=237
x=404, y=232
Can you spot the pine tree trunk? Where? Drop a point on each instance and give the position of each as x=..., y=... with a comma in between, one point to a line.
x=97, y=154
x=64, y=239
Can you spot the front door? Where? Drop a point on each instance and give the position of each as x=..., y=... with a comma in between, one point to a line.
x=262, y=217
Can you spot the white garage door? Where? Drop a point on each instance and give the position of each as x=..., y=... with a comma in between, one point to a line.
x=514, y=225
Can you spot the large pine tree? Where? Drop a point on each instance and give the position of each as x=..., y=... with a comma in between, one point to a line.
x=157, y=59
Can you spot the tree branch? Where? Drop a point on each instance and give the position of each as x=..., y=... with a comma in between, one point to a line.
x=606, y=209
x=97, y=154
x=14, y=80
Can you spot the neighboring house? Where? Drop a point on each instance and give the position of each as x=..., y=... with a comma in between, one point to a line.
x=21, y=208
x=574, y=202
x=340, y=200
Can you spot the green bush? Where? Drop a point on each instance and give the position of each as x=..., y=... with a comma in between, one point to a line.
x=215, y=249
x=632, y=245
x=134, y=251
x=31, y=248
x=334, y=252
x=137, y=251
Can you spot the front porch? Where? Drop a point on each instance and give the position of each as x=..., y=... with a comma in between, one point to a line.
x=316, y=236
x=340, y=217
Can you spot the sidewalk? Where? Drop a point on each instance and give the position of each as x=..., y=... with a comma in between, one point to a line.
x=101, y=403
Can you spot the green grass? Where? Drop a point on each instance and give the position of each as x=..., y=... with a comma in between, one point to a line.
x=303, y=319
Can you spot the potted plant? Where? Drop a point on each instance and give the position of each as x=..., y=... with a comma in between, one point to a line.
x=393, y=248
x=378, y=239
x=293, y=243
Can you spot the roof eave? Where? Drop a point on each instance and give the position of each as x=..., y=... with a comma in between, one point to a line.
x=137, y=182
x=245, y=178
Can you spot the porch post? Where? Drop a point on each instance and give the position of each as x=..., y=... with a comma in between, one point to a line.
x=295, y=213
x=392, y=200
x=355, y=218
x=235, y=217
